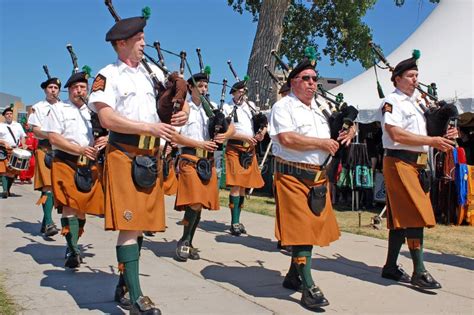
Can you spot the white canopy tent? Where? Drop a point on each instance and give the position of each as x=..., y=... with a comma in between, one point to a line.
x=445, y=40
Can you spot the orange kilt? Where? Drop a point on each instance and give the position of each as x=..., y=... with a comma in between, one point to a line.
x=66, y=193
x=408, y=206
x=128, y=207
x=42, y=173
x=191, y=190
x=170, y=185
x=236, y=175
x=3, y=166
x=295, y=222
x=4, y=169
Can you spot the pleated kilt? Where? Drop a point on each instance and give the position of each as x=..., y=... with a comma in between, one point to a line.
x=66, y=193
x=128, y=207
x=408, y=206
x=295, y=223
x=191, y=190
x=236, y=175
x=3, y=166
x=42, y=173
x=170, y=185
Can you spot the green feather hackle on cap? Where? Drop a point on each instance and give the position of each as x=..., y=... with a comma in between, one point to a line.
x=416, y=54
x=310, y=53
x=12, y=105
x=246, y=78
x=87, y=70
x=146, y=13
x=207, y=70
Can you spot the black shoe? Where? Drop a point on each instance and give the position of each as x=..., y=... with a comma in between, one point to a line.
x=73, y=261
x=424, y=280
x=292, y=282
x=148, y=233
x=395, y=273
x=182, y=251
x=235, y=229
x=194, y=253
x=5, y=195
x=144, y=306
x=313, y=298
x=68, y=251
x=50, y=230
x=43, y=228
x=242, y=228
x=122, y=297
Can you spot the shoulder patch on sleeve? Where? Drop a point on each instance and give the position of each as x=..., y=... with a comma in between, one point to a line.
x=99, y=83
x=387, y=108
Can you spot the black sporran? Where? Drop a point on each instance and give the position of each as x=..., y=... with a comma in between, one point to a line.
x=425, y=180
x=83, y=179
x=204, y=169
x=48, y=159
x=245, y=159
x=144, y=171
x=317, y=199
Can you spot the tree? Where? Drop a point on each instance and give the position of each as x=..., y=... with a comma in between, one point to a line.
x=289, y=26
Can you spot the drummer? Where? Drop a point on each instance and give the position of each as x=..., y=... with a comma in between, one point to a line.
x=12, y=135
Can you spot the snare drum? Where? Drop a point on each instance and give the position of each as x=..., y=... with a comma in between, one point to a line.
x=19, y=159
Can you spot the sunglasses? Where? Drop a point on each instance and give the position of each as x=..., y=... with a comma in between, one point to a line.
x=306, y=78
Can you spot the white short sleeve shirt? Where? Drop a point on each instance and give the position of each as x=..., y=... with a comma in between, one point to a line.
x=289, y=114
x=197, y=125
x=244, y=115
x=39, y=111
x=17, y=131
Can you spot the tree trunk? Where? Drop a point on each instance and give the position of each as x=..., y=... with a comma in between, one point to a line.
x=268, y=37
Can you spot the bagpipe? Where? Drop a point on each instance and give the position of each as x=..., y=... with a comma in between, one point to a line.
x=259, y=119
x=439, y=115
x=171, y=96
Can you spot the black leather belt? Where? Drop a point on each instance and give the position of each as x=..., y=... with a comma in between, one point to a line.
x=299, y=173
x=195, y=152
x=419, y=158
x=237, y=142
x=44, y=143
x=134, y=140
x=65, y=156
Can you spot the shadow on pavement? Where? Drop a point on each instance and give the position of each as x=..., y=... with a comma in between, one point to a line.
x=32, y=228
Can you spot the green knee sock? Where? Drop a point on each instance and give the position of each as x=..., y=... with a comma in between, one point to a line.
x=4, y=184
x=140, y=243
x=188, y=222
x=48, y=207
x=301, y=257
x=415, y=245
x=241, y=202
x=82, y=223
x=234, y=205
x=71, y=232
x=193, y=230
x=396, y=238
x=10, y=181
x=127, y=256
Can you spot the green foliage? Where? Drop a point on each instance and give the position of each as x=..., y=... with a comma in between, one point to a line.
x=416, y=54
x=146, y=13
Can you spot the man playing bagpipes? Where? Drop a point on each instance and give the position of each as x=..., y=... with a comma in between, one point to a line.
x=242, y=170
x=124, y=95
x=74, y=176
x=301, y=143
x=406, y=144
x=197, y=178
x=11, y=136
x=43, y=154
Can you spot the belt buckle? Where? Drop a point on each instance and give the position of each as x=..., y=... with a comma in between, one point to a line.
x=245, y=144
x=201, y=153
x=146, y=142
x=422, y=159
x=320, y=174
x=82, y=160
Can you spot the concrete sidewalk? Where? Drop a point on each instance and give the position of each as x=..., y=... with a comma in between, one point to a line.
x=236, y=275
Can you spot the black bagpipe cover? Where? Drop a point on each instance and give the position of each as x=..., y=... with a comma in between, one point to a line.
x=437, y=118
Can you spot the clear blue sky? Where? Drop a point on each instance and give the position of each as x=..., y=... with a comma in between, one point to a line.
x=36, y=32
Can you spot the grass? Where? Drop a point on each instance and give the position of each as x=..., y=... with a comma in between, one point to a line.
x=445, y=239
x=7, y=306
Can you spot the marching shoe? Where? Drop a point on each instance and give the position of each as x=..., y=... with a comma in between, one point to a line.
x=194, y=253
x=313, y=298
x=182, y=251
x=395, y=273
x=149, y=234
x=144, y=306
x=235, y=229
x=242, y=228
x=73, y=260
x=293, y=282
x=424, y=280
x=50, y=230
x=122, y=297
